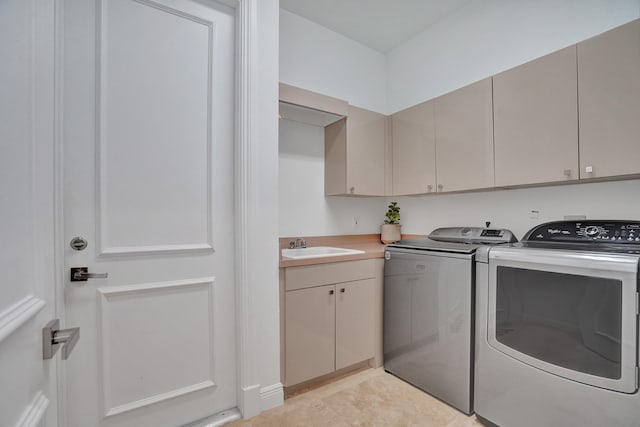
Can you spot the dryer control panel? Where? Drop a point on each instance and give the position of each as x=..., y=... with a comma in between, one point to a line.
x=617, y=231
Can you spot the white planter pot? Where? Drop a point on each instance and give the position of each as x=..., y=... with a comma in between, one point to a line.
x=390, y=232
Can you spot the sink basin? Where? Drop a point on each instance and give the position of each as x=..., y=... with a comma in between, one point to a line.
x=317, y=252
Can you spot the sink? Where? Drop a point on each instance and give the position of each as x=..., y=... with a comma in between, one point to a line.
x=317, y=252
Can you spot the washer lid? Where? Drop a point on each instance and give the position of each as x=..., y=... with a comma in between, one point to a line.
x=427, y=244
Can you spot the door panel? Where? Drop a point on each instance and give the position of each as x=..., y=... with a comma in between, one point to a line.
x=27, y=293
x=365, y=152
x=149, y=183
x=609, y=102
x=151, y=102
x=536, y=121
x=464, y=138
x=414, y=150
x=310, y=323
x=354, y=322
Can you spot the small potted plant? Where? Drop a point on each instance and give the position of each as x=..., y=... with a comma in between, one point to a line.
x=390, y=230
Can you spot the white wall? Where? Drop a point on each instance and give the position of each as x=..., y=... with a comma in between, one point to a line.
x=490, y=36
x=477, y=41
x=318, y=59
x=304, y=210
x=512, y=208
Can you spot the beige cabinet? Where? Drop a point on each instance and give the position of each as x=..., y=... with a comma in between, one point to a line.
x=310, y=329
x=355, y=322
x=609, y=102
x=414, y=150
x=464, y=138
x=355, y=152
x=536, y=121
x=332, y=317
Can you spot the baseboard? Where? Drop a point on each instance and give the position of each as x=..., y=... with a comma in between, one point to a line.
x=271, y=396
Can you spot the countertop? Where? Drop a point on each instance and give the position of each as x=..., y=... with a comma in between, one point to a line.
x=369, y=243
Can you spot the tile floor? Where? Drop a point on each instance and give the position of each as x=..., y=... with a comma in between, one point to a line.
x=369, y=397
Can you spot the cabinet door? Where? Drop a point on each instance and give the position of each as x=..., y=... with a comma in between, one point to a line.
x=536, y=121
x=464, y=138
x=609, y=101
x=414, y=150
x=355, y=322
x=365, y=152
x=310, y=333
x=355, y=154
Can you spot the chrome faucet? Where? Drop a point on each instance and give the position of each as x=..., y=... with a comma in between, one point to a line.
x=298, y=243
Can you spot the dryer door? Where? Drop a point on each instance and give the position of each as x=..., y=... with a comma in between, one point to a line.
x=572, y=314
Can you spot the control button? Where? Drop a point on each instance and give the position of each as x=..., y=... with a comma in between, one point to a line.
x=591, y=231
x=638, y=239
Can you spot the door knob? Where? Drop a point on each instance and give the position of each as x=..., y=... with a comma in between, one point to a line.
x=81, y=274
x=53, y=337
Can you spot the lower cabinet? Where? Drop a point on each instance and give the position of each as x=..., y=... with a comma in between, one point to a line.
x=334, y=325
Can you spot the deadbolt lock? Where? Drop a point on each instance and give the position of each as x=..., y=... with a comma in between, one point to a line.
x=78, y=243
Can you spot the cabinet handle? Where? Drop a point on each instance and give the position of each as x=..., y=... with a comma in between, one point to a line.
x=331, y=292
x=440, y=187
x=342, y=290
x=352, y=190
x=429, y=188
x=567, y=173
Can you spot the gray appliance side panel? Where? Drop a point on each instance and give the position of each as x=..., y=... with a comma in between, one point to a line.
x=428, y=322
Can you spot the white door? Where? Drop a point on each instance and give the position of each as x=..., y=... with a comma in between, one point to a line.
x=148, y=123
x=27, y=284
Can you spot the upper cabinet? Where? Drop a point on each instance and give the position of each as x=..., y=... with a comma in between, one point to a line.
x=355, y=154
x=464, y=138
x=519, y=127
x=357, y=141
x=414, y=150
x=609, y=102
x=536, y=121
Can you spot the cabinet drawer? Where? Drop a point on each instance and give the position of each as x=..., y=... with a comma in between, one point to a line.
x=308, y=276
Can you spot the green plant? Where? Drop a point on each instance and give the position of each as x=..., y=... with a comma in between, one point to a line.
x=393, y=214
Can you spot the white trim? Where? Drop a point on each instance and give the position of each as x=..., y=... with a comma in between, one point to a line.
x=225, y=417
x=271, y=396
x=19, y=314
x=156, y=249
x=248, y=388
x=34, y=414
x=58, y=199
x=129, y=289
x=158, y=398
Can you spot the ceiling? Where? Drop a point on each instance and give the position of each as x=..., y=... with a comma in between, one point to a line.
x=379, y=24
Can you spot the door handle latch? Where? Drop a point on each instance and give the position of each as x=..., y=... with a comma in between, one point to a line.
x=81, y=274
x=53, y=337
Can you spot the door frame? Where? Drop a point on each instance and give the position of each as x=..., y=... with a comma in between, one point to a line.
x=250, y=395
